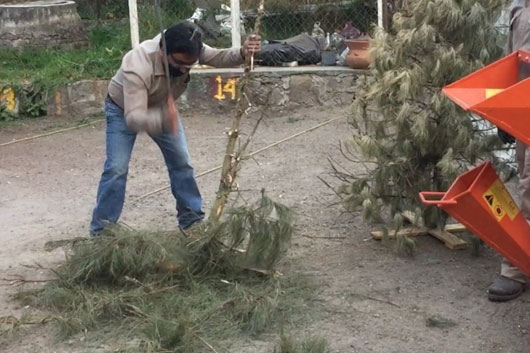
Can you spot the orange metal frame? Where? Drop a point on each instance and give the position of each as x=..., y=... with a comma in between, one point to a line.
x=496, y=93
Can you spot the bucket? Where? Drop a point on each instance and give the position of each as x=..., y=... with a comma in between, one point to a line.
x=329, y=58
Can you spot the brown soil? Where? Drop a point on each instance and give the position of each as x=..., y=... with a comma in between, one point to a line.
x=372, y=300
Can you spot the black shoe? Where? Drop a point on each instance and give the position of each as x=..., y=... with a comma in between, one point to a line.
x=504, y=289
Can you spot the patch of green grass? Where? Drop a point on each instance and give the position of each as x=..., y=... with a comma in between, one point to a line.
x=6, y=115
x=51, y=68
x=108, y=42
x=35, y=73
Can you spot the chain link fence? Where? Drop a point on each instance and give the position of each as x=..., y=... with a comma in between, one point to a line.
x=283, y=19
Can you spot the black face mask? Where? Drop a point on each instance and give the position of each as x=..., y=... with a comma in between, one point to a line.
x=174, y=71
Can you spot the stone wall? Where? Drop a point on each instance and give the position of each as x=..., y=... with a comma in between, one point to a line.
x=285, y=88
x=213, y=90
x=41, y=24
x=81, y=98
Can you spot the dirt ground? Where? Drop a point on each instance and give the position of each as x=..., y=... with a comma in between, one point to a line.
x=371, y=299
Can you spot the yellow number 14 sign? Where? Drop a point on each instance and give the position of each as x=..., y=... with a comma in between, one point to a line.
x=228, y=87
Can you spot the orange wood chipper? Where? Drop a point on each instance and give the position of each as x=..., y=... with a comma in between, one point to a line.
x=478, y=198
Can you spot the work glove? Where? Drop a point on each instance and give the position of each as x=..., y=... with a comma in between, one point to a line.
x=505, y=137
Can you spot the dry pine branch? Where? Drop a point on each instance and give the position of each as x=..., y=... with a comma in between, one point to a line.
x=231, y=161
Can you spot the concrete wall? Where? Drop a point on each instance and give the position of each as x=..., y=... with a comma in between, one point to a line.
x=213, y=90
x=41, y=24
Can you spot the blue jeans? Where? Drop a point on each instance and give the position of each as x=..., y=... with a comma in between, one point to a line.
x=111, y=191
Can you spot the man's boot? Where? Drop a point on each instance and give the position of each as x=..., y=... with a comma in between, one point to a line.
x=505, y=289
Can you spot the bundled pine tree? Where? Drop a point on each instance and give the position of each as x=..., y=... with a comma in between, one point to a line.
x=407, y=135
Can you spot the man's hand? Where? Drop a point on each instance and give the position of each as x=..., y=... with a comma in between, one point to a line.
x=172, y=116
x=505, y=137
x=252, y=45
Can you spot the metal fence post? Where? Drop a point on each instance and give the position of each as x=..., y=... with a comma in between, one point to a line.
x=380, y=14
x=133, y=19
x=236, y=23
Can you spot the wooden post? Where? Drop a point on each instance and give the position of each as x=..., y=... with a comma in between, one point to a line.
x=133, y=19
x=236, y=23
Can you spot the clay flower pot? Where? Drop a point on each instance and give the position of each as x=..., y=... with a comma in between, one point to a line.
x=359, y=54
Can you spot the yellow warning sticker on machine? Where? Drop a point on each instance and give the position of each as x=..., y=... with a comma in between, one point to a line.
x=490, y=92
x=500, y=201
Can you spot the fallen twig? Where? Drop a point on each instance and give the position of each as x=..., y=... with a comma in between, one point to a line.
x=9, y=324
x=19, y=280
x=329, y=238
x=36, y=266
x=54, y=244
x=378, y=300
x=161, y=290
x=206, y=344
x=50, y=133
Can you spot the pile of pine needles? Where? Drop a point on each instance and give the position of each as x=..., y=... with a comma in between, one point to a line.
x=174, y=292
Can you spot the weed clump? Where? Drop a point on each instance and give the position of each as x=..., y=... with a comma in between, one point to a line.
x=306, y=345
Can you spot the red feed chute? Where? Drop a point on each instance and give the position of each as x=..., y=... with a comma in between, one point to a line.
x=479, y=200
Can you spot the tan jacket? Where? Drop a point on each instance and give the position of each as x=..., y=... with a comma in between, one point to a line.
x=140, y=87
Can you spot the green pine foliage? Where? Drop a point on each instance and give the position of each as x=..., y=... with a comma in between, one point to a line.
x=145, y=291
x=407, y=136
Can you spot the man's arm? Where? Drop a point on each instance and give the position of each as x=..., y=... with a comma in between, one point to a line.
x=138, y=116
x=221, y=57
x=230, y=57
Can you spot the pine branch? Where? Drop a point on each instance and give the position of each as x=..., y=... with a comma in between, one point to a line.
x=231, y=161
x=243, y=149
x=331, y=188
